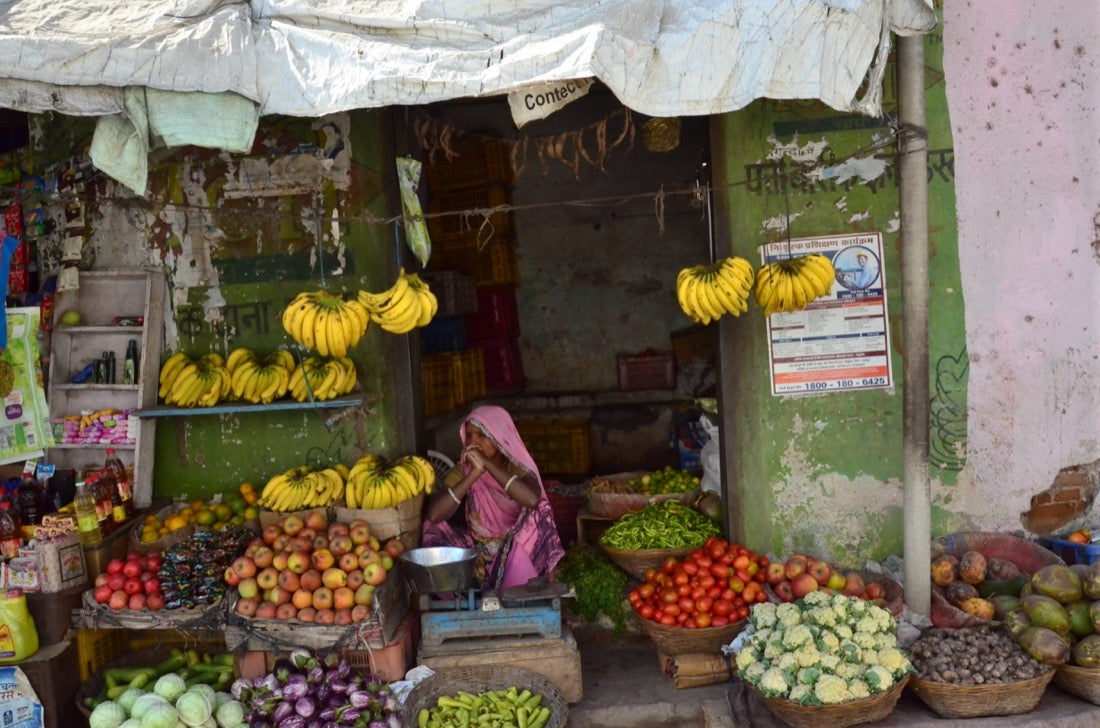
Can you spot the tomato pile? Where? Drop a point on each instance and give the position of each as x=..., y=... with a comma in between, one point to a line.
x=714, y=585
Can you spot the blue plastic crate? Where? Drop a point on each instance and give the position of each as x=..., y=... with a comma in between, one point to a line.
x=1075, y=553
x=443, y=334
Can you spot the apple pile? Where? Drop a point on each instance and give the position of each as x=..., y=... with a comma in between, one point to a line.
x=800, y=574
x=131, y=583
x=305, y=568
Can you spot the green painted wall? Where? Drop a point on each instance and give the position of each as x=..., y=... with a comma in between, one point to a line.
x=823, y=473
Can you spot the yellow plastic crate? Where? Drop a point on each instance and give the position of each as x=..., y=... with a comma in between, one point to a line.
x=477, y=161
x=559, y=446
x=97, y=647
x=437, y=374
x=466, y=224
x=493, y=264
x=472, y=366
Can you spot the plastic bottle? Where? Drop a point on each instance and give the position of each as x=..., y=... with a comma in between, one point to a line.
x=18, y=636
x=11, y=533
x=102, y=499
x=129, y=365
x=86, y=519
x=113, y=465
x=29, y=501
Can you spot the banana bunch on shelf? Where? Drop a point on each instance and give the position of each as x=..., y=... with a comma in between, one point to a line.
x=706, y=292
x=187, y=381
x=322, y=378
x=788, y=285
x=375, y=483
x=259, y=378
x=324, y=322
x=302, y=487
x=407, y=304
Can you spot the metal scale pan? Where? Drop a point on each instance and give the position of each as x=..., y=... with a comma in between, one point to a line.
x=451, y=608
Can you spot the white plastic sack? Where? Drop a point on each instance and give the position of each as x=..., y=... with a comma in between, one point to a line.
x=711, y=457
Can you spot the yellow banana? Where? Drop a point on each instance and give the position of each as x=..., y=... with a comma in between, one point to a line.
x=239, y=356
x=320, y=332
x=170, y=369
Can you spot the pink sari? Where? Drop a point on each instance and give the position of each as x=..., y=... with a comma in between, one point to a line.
x=514, y=543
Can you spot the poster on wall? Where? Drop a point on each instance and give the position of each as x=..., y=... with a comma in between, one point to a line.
x=840, y=341
x=25, y=422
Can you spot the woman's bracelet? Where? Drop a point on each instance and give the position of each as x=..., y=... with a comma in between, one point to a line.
x=509, y=483
x=454, y=497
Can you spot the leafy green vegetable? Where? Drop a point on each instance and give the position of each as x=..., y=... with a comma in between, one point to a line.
x=598, y=582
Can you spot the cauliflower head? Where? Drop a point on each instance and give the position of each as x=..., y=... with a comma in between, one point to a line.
x=828, y=642
x=796, y=636
x=895, y=661
x=803, y=694
x=830, y=689
x=773, y=683
x=878, y=678
x=763, y=615
x=816, y=599
x=859, y=689
x=788, y=614
x=807, y=655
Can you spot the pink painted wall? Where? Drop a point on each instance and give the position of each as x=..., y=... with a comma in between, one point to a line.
x=1023, y=87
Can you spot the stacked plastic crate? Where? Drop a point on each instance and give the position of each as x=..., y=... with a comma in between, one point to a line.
x=478, y=240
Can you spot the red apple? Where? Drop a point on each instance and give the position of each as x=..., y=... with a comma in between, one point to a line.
x=343, y=598
x=360, y=613
x=153, y=562
x=249, y=589
x=271, y=532
x=795, y=565
x=874, y=591
x=348, y=561
x=340, y=544
x=783, y=591
x=334, y=578
x=311, y=580
x=154, y=602
x=292, y=524
x=853, y=584
x=280, y=559
x=230, y=576
x=298, y=562
x=343, y=616
x=132, y=586
x=322, y=598
x=337, y=528
x=316, y=520
x=116, y=581
x=776, y=573
x=263, y=556
x=394, y=547
x=286, y=610
x=355, y=578
x=102, y=594
x=322, y=559
x=280, y=596
x=320, y=541
x=132, y=568
x=325, y=616
x=151, y=585
x=307, y=614
x=267, y=578
x=114, y=566
x=289, y=580
x=803, y=584
x=365, y=595
x=821, y=571
x=266, y=610
x=245, y=566
x=101, y=579
x=359, y=530
x=374, y=574
x=246, y=607
x=137, y=601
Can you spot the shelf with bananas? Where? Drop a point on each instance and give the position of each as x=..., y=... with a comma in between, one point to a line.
x=371, y=483
x=707, y=292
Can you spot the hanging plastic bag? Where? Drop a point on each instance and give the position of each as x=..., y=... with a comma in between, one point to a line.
x=710, y=457
x=416, y=229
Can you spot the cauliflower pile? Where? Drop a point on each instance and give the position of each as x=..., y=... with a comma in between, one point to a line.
x=822, y=650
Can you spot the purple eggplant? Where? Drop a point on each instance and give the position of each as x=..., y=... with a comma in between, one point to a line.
x=259, y=722
x=296, y=690
x=316, y=675
x=338, y=686
x=323, y=693
x=282, y=712
x=328, y=714
x=305, y=707
x=348, y=715
x=241, y=689
x=360, y=699
x=294, y=721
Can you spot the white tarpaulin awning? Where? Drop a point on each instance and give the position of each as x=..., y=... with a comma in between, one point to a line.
x=127, y=59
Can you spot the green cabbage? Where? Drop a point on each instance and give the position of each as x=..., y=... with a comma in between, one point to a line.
x=127, y=699
x=107, y=714
x=170, y=686
x=194, y=708
x=160, y=716
x=144, y=703
x=229, y=714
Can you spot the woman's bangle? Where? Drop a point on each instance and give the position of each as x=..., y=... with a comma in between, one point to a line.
x=454, y=497
x=509, y=483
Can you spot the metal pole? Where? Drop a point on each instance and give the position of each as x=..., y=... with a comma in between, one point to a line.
x=913, y=170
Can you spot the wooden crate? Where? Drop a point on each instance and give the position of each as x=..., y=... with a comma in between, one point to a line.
x=559, y=661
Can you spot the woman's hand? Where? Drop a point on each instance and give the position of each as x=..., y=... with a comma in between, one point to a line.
x=473, y=457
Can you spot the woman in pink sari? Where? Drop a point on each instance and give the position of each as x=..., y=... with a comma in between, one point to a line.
x=508, y=518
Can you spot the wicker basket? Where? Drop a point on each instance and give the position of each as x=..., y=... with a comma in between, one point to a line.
x=637, y=562
x=840, y=715
x=476, y=679
x=616, y=505
x=688, y=641
x=1081, y=682
x=976, y=701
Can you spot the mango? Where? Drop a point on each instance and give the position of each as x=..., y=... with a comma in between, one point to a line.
x=1094, y=615
x=1086, y=653
x=997, y=568
x=1044, y=645
x=958, y=592
x=978, y=607
x=1090, y=582
x=1046, y=612
x=972, y=567
x=1080, y=622
x=1003, y=604
x=1015, y=622
x=1059, y=582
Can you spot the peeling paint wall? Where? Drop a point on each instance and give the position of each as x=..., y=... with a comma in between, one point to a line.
x=1023, y=91
x=238, y=235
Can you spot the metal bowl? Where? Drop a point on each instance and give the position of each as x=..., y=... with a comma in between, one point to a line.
x=437, y=569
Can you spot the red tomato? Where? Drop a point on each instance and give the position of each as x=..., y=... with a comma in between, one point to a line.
x=646, y=591
x=707, y=581
x=714, y=592
x=687, y=604
x=742, y=613
x=741, y=562
x=698, y=592
x=684, y=590
x=761, y=597
x=763, y=561
x=719, y=570
x=682, y=618
x=760, y=576
x=704, y=562
x=749, y=593
x=680, y=578
x=669, y=596
x=650, y=574
x=744, y=575
x=736, y=583
x=729, y=594
x=634, y=598
x=690, y=568
x=646, y=611
x=719, y=621
x=672, y=610
x=717, y=550
x=668, y=620
x=669, y=565
x=702, y=620
x=752, y=568
x=705, y=604
x=721, y=607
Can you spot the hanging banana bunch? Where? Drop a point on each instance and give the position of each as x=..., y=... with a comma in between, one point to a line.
x=259, y=379
x=324, y=322
x=789, y=285
x=188, y=381
x=375, y=483
x=706, y=292
x=322, y=378
x=408, y=304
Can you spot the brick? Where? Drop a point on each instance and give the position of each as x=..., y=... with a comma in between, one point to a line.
x=1047, y=519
